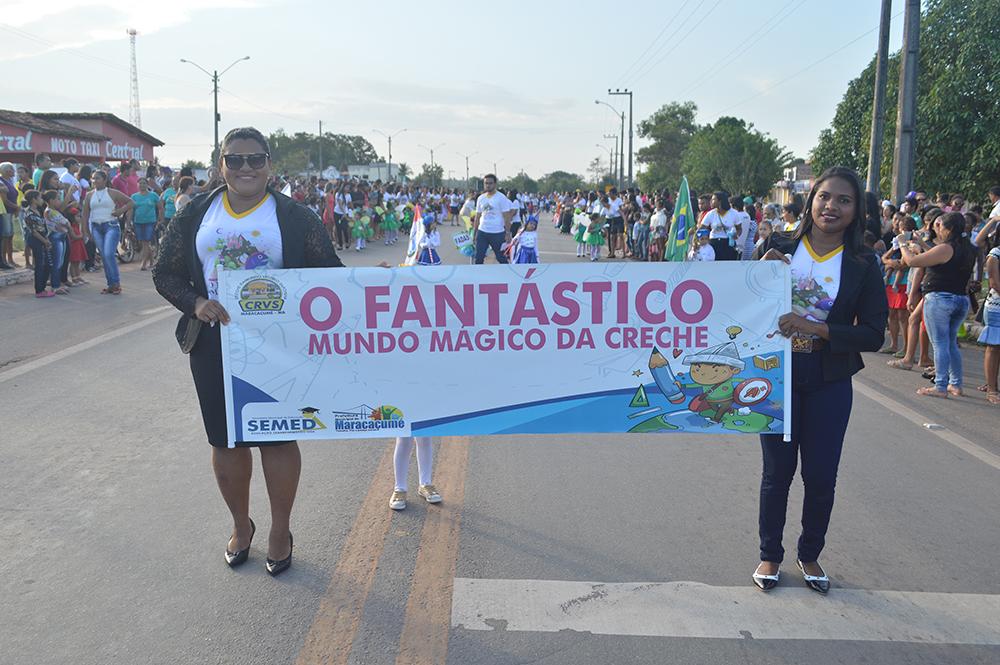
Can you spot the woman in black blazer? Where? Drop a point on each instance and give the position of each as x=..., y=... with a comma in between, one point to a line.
x=839, y=309
x=273, y=231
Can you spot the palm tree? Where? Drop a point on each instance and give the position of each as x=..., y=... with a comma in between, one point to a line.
x=403, y=170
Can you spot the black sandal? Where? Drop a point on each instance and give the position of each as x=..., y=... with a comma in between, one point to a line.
x=818, y=583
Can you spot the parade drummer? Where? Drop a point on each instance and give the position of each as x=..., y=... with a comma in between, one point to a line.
x=839, y=310
x=243, y=220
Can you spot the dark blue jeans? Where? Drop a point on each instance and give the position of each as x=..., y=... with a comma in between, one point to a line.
x=43, y=261
x=492, y=241
x=820, y=411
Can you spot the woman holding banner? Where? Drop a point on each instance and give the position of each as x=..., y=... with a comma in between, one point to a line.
x=839, y=309
x=241, y=221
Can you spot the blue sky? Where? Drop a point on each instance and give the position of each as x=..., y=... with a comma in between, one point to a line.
x=513, y=82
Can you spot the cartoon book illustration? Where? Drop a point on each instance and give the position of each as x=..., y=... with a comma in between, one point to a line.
x=664, y=377
x=765, y=362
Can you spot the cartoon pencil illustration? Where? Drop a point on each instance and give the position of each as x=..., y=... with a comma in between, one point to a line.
x=664, y=377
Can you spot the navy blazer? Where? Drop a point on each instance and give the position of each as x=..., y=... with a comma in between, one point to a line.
x=858, y=318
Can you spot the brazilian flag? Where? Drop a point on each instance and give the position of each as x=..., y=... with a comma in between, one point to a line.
x=681, y=224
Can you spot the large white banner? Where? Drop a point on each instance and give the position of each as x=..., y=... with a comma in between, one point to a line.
x=337, y=353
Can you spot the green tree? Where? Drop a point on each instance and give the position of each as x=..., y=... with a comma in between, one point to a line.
x=338, y=150
x=193, y=164
x=670, y=129
x=958, y=113
x=560, y=181
x=430, y=176
x=403, y=171
x=597, y=170
x=522, y=182
x=733, y=156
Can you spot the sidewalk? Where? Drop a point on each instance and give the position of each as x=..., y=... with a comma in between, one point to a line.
x=16, y=276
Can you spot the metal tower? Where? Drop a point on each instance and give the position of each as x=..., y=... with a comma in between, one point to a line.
x=134, y=116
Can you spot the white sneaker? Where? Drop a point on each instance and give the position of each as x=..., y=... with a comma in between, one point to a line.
x=430, y=493
x=398, y=500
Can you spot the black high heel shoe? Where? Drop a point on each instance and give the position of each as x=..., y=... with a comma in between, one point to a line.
x=277, y=567
x=818, y=583
x=236, y=558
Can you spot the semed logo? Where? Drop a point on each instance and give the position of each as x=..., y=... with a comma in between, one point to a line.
x=306, y=422
x=262, y=295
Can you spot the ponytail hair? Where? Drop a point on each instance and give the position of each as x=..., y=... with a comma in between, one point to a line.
x=29, y=197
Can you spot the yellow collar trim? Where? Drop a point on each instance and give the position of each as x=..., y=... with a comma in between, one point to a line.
x=240, y=215
x=816, y=257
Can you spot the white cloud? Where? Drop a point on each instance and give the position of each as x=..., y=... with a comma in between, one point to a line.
x=34, y=28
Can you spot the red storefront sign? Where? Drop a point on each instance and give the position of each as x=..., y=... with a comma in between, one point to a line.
x=88, y=138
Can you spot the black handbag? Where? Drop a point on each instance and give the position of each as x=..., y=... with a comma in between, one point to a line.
x=187, y=331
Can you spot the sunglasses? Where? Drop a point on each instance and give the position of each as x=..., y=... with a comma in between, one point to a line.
x=256, y=160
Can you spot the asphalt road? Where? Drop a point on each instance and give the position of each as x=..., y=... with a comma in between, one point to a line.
x=547, y=549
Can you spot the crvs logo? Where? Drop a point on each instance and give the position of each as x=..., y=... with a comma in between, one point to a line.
x=262, y=295
x=365, y=418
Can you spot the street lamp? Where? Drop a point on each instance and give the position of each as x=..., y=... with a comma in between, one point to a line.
x=390, y=137
x=621, y=174
x=495, y=162
x=430, y=150
x=466, y=158
x=214, y=75
x=628, y=92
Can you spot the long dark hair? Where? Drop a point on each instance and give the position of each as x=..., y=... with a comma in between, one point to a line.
x=854, y=235
x=955, y=223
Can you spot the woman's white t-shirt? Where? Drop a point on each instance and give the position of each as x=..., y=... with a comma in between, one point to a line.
x=719, y=225
x=238, y=241
x=815, y=281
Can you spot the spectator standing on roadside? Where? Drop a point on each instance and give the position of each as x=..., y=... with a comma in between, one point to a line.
x=491, y=221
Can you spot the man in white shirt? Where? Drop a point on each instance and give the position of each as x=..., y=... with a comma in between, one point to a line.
x=994, y=195
x=491, y=221
x=616, y=224
x=69, y=178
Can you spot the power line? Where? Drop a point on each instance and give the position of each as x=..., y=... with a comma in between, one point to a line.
x=773, y=21
x=656, y=39
x=804, y=69
x=89, y=56
x=676, y=42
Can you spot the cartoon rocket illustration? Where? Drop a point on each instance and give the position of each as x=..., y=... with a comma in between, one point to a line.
x=664, y=377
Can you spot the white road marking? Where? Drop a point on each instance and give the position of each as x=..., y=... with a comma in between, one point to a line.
x=692, y=609
x=953, y=438
x=83, y=346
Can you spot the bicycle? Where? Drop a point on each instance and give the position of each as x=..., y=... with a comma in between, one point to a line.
x=128, y=246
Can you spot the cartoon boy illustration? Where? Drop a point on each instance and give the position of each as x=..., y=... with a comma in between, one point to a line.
x=714, y=371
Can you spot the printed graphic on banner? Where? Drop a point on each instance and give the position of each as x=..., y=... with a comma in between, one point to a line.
x=506, y=349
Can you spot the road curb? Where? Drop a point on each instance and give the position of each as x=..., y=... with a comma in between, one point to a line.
x=18, y=276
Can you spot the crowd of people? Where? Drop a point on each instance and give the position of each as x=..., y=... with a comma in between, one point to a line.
x=934, y=252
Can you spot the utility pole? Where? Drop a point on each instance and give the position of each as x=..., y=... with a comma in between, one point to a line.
x=906, y=131
x=878, y=105
x=466, y=157
x=431, y=150
x=389, y=136
x=628, y=92
x=214, y=75
x=614, y=154
x=321, y=149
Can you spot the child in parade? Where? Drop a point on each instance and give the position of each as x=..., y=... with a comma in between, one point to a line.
x=594, y=237
x=527, y=242
x=658, y=232
x=640, y=233
x=703, y=250
x=391, y=224
x=429, y=243
x=580, y=224
x=896, y=286
x=401, y=468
